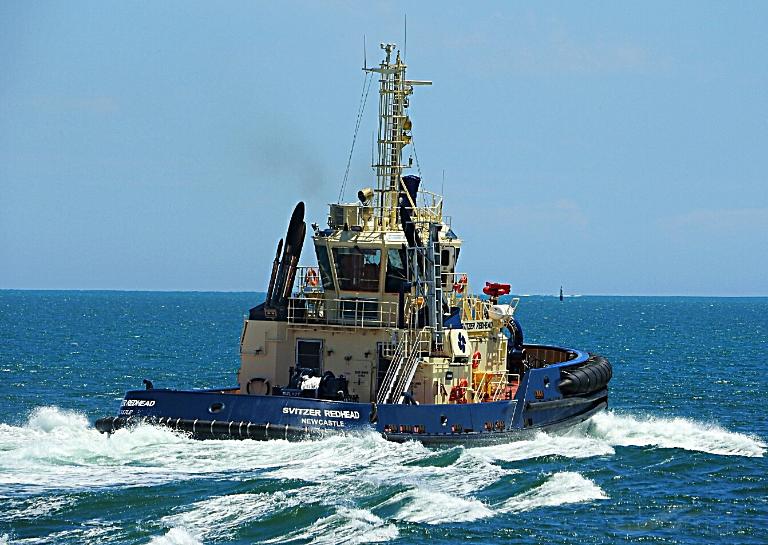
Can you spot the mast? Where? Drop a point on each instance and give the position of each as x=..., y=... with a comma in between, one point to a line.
x=393, y=134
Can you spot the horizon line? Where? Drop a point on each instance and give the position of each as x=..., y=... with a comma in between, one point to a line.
x=566, y=296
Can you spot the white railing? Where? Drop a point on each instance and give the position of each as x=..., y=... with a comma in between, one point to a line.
x=403, y=364
x=473, y=306
x=428, y=209
x=358, y=313
x=493, y=384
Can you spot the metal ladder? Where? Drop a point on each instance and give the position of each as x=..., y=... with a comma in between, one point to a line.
x=437, y=285
x=402, y=368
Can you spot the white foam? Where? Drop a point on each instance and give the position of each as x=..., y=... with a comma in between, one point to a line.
x=50, y=419
x=542, y=445
x=5, y=539
x=452, y=478
x=319, y=461
x=175, y=536
x=432, y=507
x=352, y=526
x=219, y=517
x=345, y=525
x=59, y=450
x=35, y=507
x=681, y=433
x=94, y=531
x=561, y=488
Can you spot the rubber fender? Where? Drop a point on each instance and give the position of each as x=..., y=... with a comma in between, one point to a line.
x=606, y=367
x=603, y=374
x=599, y=373
x=591, y=376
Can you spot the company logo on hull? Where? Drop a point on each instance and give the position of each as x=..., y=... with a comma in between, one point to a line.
x=328, y=418
x=138, y=403
x=327, y=413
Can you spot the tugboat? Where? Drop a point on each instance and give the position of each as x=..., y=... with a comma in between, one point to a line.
x=384, y=334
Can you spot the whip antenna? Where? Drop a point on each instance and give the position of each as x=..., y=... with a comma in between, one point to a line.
x=405, y=35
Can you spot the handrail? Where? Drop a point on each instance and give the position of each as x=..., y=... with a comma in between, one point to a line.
x=499, y=381
x=389, y=376
x=356, y=313
x=479, y=389
x=428, y=209
x=394, y=364
x=406, y=376
x=503, y=384
x=403, y=365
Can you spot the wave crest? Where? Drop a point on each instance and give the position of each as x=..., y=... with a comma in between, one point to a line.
x=560, y=489
x=49, y=419
x=680, y=433
x=175, y=536
x=432, y=507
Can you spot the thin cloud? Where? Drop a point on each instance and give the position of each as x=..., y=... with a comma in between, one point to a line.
x=726, y=219
x=557, y=50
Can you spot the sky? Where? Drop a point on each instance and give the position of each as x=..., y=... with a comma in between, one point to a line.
x=609, y=147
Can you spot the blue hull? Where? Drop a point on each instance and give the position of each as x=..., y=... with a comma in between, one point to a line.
x=538, y=405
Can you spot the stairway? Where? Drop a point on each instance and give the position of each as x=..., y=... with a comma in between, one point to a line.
x=403, y=366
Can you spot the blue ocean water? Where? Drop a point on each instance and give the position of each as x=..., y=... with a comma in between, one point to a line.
x=678, y=458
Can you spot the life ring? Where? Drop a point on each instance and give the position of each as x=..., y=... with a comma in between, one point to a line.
x=476, y=357
x=461, y=284
x=258, y=380
x=312, y=279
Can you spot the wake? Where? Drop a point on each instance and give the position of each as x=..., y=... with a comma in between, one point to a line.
x=674, y=433
x=59, y=450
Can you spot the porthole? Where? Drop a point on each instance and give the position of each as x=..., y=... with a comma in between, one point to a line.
x=216, y=408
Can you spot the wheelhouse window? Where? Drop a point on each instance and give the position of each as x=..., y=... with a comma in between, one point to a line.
x=357, y=269
x=324, y=264
x=396, y=271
